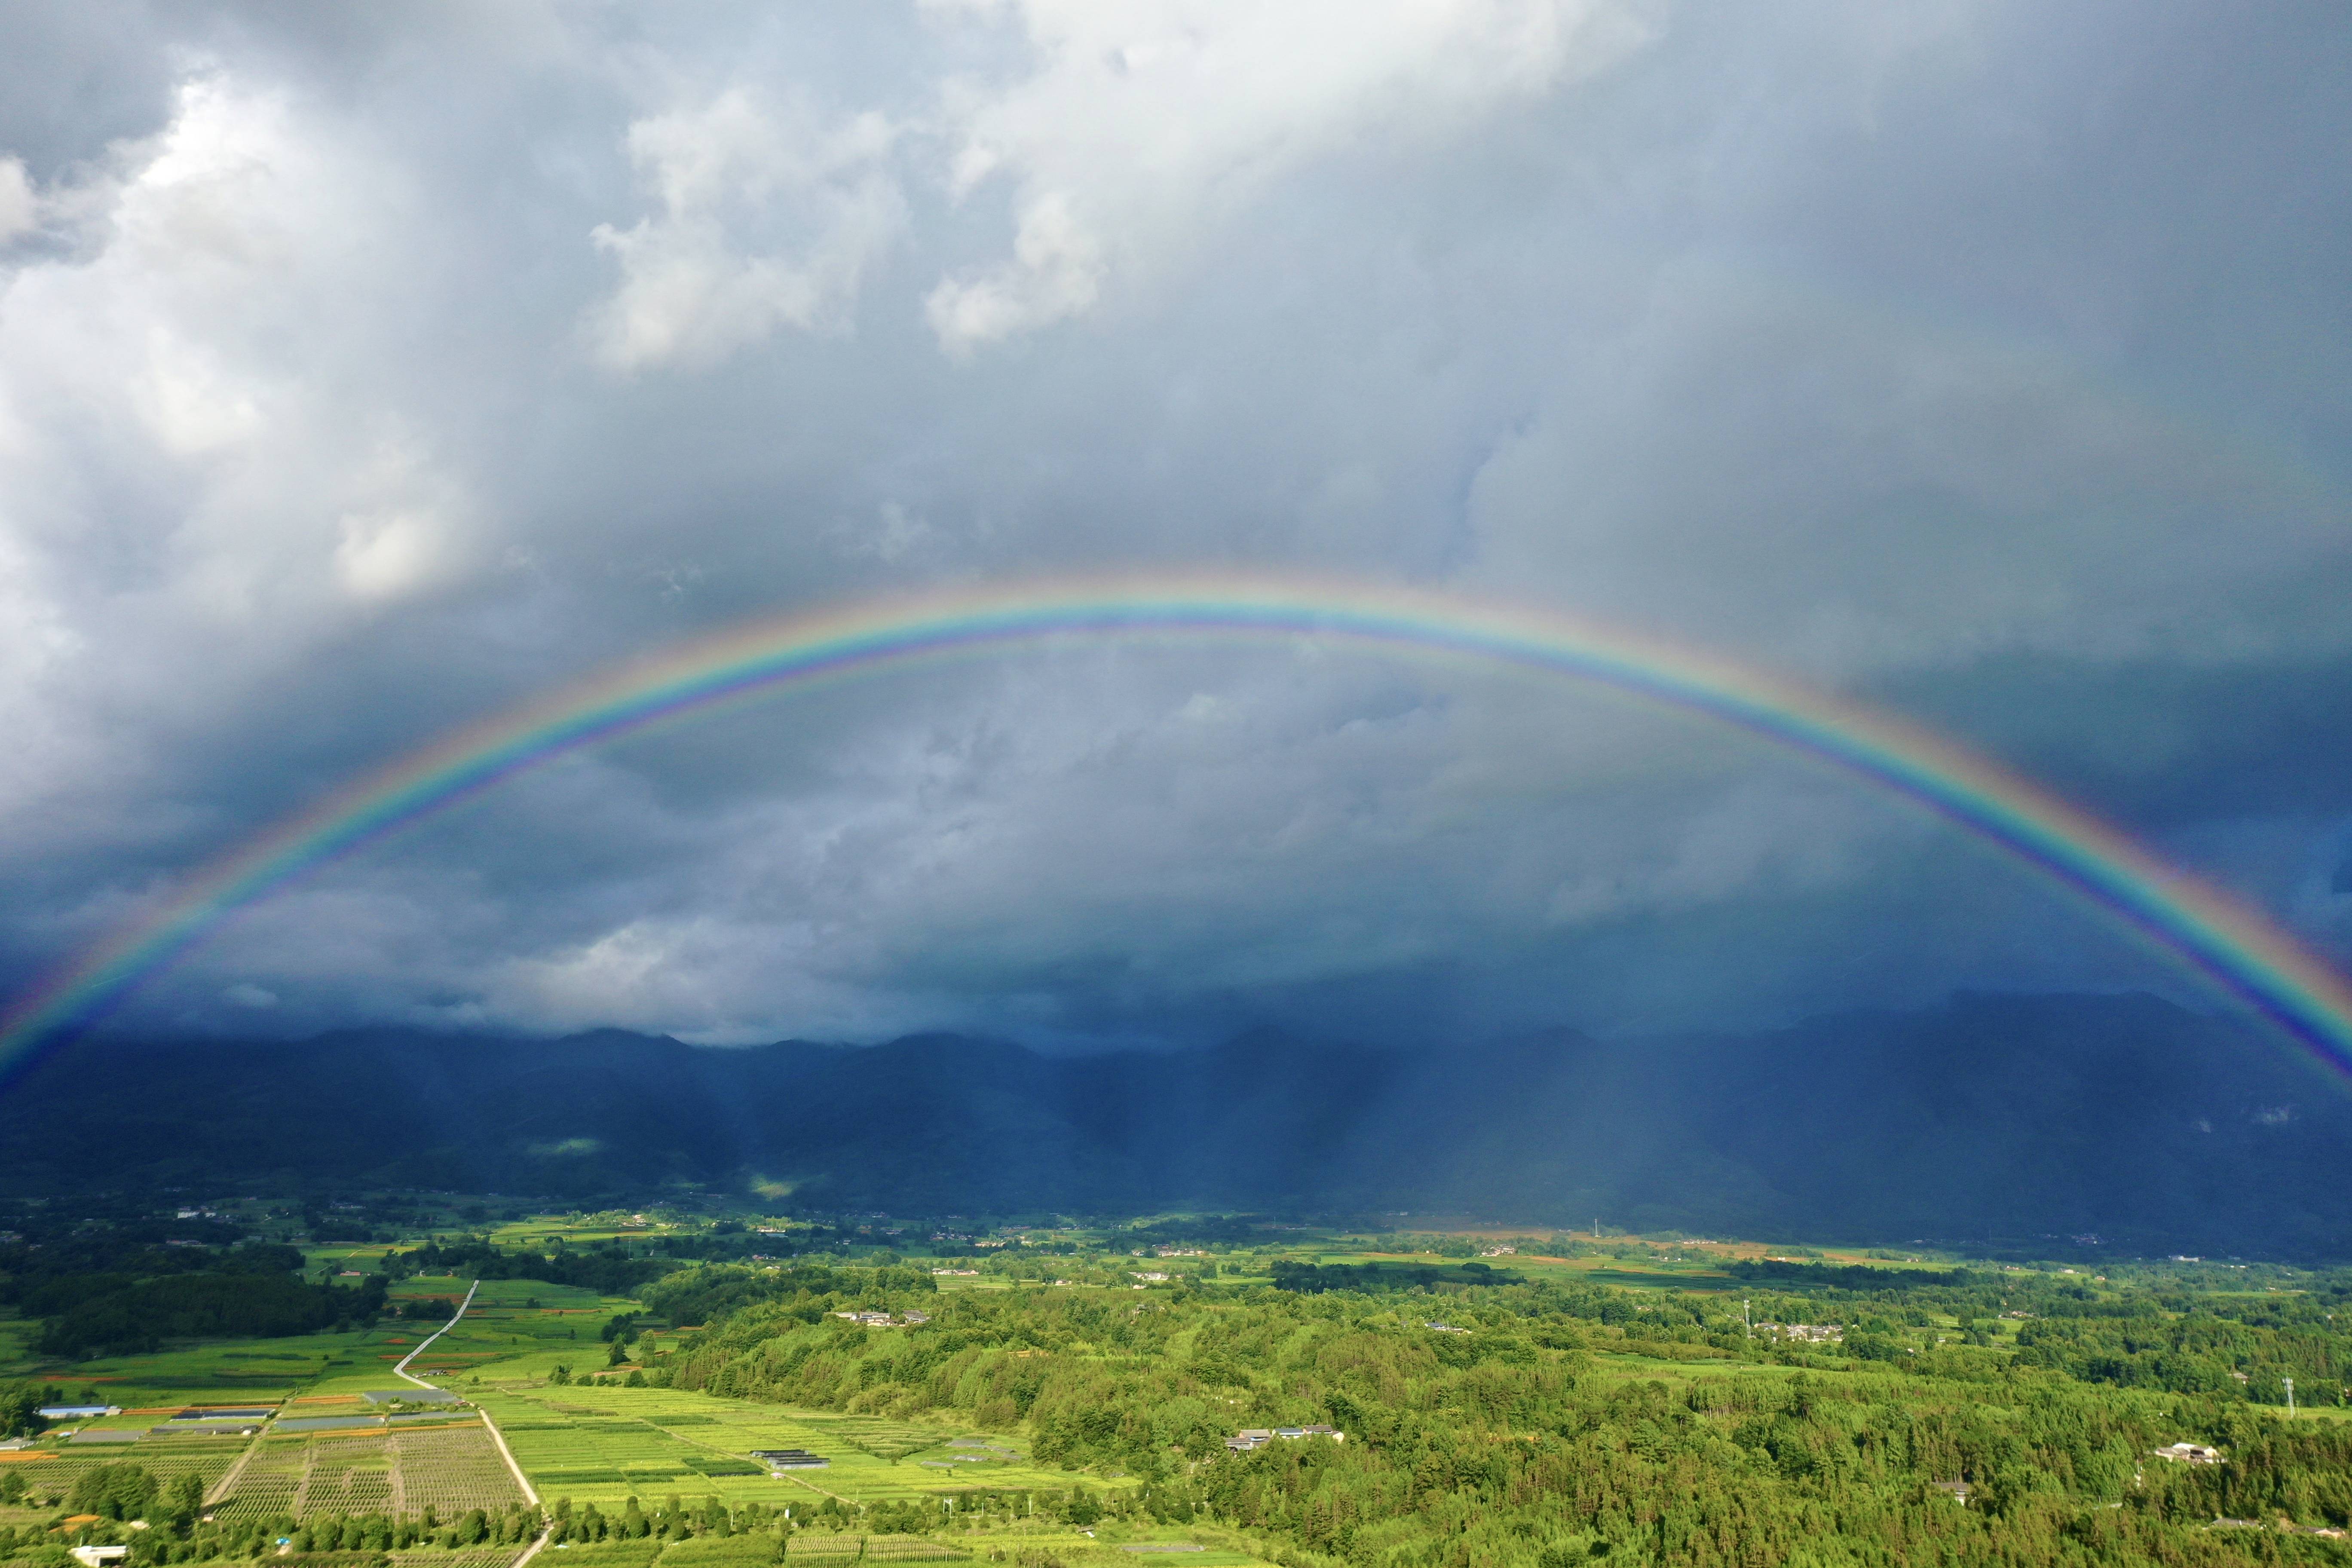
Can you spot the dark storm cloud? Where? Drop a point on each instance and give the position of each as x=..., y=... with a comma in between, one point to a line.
x=362, y=371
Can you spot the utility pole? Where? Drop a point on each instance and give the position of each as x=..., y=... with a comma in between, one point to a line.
x=1747, y=1322
x=2290, y=1395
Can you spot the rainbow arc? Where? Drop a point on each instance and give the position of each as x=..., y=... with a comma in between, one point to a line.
x=2234, y=946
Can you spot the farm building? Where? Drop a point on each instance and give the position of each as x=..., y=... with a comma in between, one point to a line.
x=791, y=1458
x=2189, y=1454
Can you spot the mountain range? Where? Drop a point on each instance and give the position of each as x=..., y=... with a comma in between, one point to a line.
x=1992, y=1119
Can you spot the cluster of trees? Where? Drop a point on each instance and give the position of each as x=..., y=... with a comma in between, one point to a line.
x=730, y=1240
x=705, y=1294
x=680, y=1521
x=1847, y=1277
x=252, y=1290
x=171, y=1527
x=20, y=1409
x=108, y=1286
x=1512, y=1445
x=1223, y=1229
x=38, y=1248
x=510, y=1526
x=129, y=1491
x=609, y=1269
x=676, y=1521
x=1386, y=1276
x=2200, y=1352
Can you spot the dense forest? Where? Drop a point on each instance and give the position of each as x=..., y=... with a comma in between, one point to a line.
x=1505, y=1424
x=100, y=1289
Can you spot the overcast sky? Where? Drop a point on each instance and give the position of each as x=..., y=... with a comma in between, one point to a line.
x=363, y=370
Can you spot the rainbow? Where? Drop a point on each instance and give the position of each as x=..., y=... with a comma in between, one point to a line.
x=2230, y=945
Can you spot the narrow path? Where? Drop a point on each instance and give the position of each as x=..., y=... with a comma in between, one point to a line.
x=529, y=1492
x=402, y=1370
x=219, y=1490
x=534, y=1549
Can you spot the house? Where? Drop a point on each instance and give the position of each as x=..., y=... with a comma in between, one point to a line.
x=1331, y=1432
x=1446, y=1328
x=911, y=1318
x=2189, y=1454
x=77, y=1412
x=1808, y=1333
x=97, y=1556
x=1242, y=1442
x=1151, y=1276
x=1957, y=1491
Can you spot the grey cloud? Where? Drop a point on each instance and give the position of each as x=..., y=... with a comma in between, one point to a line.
x=1983, y=359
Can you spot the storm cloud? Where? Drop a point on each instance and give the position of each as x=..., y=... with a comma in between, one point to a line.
x=361, y=374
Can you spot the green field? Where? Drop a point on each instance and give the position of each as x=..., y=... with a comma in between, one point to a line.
x=603, y=1444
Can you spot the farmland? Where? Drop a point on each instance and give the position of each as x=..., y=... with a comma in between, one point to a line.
x=605, y=1443
x=1066, y=1394
x=448, y=1468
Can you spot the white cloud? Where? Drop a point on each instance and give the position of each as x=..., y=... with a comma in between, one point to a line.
x=408, y=529
x=20, y=209
x=204, y=458
x=1147, y=124
x=766, y=219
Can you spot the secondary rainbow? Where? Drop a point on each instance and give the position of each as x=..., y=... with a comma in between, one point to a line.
x=2232, y=945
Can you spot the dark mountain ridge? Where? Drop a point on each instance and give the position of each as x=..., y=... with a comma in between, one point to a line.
x=1990, y=1118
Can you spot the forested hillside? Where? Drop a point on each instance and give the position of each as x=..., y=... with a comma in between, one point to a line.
x=1526, y=1426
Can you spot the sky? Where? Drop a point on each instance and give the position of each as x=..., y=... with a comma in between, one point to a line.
x=366, y=371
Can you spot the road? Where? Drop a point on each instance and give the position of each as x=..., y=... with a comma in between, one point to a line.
x=529, y=1492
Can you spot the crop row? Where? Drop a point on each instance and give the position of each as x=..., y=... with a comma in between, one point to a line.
x=448, y=1469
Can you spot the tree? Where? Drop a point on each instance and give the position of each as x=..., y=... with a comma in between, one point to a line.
x=113, y=1491
x=20, y=1415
